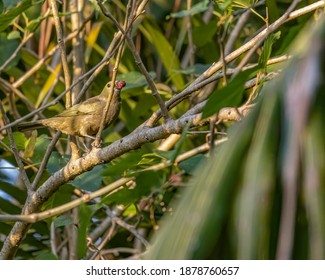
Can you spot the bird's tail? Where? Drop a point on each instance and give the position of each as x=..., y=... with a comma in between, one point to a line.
x=29, y=126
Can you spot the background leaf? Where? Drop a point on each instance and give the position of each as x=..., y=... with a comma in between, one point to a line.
x=228, y=96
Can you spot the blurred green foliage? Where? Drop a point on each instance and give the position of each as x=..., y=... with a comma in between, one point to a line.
x=226, y=206
x=236, y=204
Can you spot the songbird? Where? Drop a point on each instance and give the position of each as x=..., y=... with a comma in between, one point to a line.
x=83, y=119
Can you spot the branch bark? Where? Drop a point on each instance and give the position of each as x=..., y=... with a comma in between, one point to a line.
x=76, y=167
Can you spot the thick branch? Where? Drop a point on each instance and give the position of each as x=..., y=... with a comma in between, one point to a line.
x=233, y=55
x=81, y=165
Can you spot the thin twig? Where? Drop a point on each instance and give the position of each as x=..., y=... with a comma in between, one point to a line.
x=206, y=132
x=236, y=31
x=118, y=250
x=9, y=87
x=222, y=57
x=43, y=60
x=109, y=98
x=149, y=79
x=249, y=84
x=50, y=91
x=65, y=66
x=100, y=229
x=128, y=227
x=138, y=61
x=305, y=10
x=189, y=35
x=45, y=159
x=168, y=33
x=117, y=148
x=197, y=150
x=43, y=34
x=266, y=32
x=109, y=235
x=14, y=54
x=177, y=98
x=112, y=88
x=33, y=218
x=113, y=48
x=78, y=59
x=93, y=72
x=235, y=54
x=61, y=44
x=15, y=152
x=118, y=221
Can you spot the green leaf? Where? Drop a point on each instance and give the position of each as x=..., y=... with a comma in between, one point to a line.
x=145, y=183
x=203, y=33
x=7, y=48
x=130, y=211
x=202, y=6
x=148, y=180
x=45, y=255
x=273, y=10
x=89, y=181
x=144, y=106
x=240, y=212
x=229, y=95
x=258, y=181
x=60, y=197
x=179, y=144
x=15, y=192
x=165, y=154
x=166, y=53
x=197, y=69
x=7, y=4
x=85, y=213
x=189, y=165
x=150, y=159
x=30, y=145
x=13, y=35
x=62, y=221
x=5, y=228
x=290, y=36
x=134, y=79
x=19, y=138
x=245, y=3
x=123, y=164
x=34, y=24
x=130, y=119
x=41, y=145
x=7, y=207
x=56, y=162
x=7, y=18
x=267, y=48
x=223, y=5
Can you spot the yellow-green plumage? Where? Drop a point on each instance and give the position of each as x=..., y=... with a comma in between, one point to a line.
x=83, y=119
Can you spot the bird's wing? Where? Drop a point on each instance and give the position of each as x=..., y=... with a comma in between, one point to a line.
x=87, y=107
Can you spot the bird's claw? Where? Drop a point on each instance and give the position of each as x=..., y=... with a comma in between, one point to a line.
x=97, y=143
